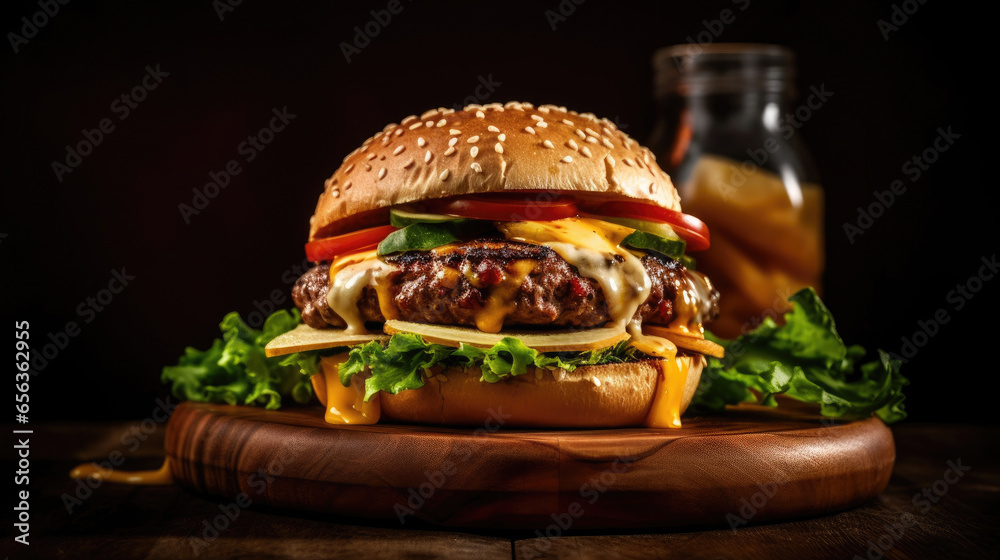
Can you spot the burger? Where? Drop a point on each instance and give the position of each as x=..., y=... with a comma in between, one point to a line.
x=520, y=263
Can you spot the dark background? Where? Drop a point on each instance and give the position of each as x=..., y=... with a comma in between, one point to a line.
x=119, y=207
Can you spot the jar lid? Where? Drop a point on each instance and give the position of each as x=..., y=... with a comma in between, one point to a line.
x=692, y=69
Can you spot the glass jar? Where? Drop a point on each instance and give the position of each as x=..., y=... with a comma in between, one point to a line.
x=727, y=133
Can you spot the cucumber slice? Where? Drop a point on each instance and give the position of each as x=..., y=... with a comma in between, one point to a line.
x=658, y=228
x=673, y=248
x=402, y=216
x=417, y=237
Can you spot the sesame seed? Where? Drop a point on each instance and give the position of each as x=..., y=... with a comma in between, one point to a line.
x=415, y=126
x=585, y=151
x=408, y=163
x=492, y=128
x=480, y=114
x=453, y=141
x=398, y=150
x=368, y=167
x=567, y=159
x=385, y=140
x=428, y=114
x=474, y=151
x=529, y=130
x=607, y=143
x=421, y=142
x=445, y=174
x=335, y=193
x=476, y=167
x=347, y=185
x=441, y=123
x=429, y=124
x=502, y=137
x=427, y=157
x=542, y=124
x=606, y=131
x=397, y=132
x=381, y=173
x=572, y=144
x=498, y=148
x=349, y=168
x=568, y=122
x=590, y=132
x=543, y=109
x=408, y=119
x=454, y=132
x=592, y=139
x=473, y=139
x=581, y=134
x=610, y=160
x=537, y=118
x=628, y=162
x=548, y=144
x=451, y=150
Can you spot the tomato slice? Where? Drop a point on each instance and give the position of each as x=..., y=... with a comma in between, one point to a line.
x=328, y=248
x=691, y=229
x=540, y=206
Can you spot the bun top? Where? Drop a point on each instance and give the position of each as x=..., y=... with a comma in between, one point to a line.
x=488, y=149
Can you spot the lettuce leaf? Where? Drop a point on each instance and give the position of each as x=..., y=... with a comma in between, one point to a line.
x=234, y=370
x=406, y=359
x=804, y=359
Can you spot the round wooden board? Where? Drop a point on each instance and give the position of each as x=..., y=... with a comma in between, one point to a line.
x=750, y=465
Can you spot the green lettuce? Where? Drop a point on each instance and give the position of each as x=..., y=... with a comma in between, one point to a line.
x=406, y=359
x=804, y=359
x=234, y=370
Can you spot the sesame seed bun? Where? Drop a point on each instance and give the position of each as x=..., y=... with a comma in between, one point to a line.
x=611, y=395
x=488, y=149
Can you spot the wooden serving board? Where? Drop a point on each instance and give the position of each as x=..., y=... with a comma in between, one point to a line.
x=749, y=465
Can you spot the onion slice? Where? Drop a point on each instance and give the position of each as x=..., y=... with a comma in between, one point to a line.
x=569, y=340
x=304, y=337
x=686, y=341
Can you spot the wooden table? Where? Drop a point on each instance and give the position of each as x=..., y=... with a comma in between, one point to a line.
x=116, y=521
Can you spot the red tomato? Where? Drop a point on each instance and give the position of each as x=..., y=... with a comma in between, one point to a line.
x=328, y=248
x=691, y=229
x=540, y=206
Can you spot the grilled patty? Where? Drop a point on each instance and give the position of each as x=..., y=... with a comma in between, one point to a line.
x=448, y=287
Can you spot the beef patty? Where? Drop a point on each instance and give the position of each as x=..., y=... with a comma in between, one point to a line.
x=449, y=286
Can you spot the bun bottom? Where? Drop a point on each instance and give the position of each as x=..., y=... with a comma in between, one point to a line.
x=605, y=396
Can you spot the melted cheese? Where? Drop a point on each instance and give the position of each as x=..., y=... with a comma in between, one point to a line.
x=693, y=303
x=161, y=476
x=344, y=405
x=666, y=409
x=349, y=275
x=592, y=246
x=500, y=301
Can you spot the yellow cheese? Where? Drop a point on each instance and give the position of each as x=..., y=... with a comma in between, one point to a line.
x=666, y=409
x=500, y=301
x=344, y=405
x=161, y=476
x=349, y=275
